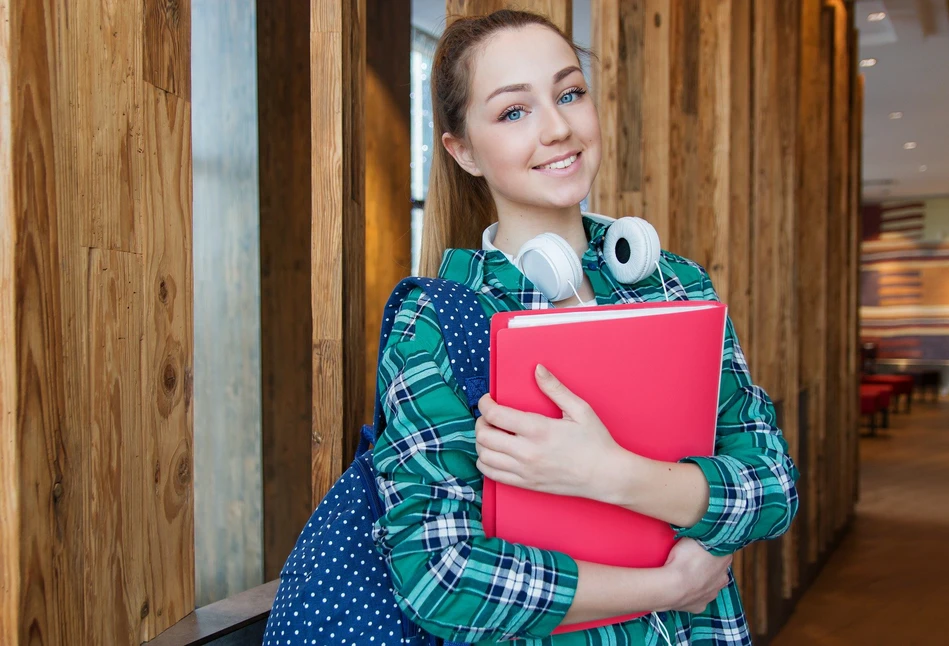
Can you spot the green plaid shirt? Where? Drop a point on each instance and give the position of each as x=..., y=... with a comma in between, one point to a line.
x=458, y=584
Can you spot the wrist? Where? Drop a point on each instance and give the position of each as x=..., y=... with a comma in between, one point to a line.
x=670, y=596
x=625, y=478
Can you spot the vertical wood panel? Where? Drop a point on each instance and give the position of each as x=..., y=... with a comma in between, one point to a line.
x=388, y=170
x=283, y=91
x=560, y=12
x=52, y=600
x=773, y=358
x=89, y=563
x=812, y=250
x=337, y=64
x=826, y=460
x=9, y=441
x=167, y=51
x=114, y=443
x=227, y=334
x=856, y=186
x=168, y=352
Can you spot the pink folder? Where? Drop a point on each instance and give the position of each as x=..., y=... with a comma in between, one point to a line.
x=652, y=378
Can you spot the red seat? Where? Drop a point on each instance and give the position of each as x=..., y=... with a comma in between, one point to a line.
x=902, y=385
x=875, y=398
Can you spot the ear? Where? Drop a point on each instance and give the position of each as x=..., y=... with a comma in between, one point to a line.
x=461, y=152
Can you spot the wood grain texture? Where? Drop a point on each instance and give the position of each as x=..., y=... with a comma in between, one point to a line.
x=827, y=457
x=774, y=361
x=560, y=12
x=813, y=179
x=77, y=211
x=168, y=351
x=115, y=520
x=283, y=91
x=605, y=32
x=10, y=573
x=388, y=170
x=656, y=97
x=167, y=45
x=227, y=334
x=337, y=64
x=838, y=246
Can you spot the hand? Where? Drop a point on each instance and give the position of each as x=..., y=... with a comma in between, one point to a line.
x=561, y=456
x=698, y=575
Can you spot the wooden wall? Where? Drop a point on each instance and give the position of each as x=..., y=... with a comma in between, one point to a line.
x=226, y=241
x=388, y=170
x=717, y=130
x=337, y=258
x=286, y=319
x=95, y=232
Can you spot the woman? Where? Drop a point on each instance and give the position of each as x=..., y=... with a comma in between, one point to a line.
x=521, y=145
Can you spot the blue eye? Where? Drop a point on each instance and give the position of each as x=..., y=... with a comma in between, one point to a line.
x=571, y=95
x=513, y=115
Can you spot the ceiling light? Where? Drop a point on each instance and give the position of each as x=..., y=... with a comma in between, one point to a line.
x=896, y=115
x=923, y=168
x=868, y=62
x=909, y=145
x=876, y=17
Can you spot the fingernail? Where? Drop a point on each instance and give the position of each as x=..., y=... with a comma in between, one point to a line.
x=542, y=371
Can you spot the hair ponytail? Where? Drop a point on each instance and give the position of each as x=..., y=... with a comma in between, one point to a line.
x=459, y=206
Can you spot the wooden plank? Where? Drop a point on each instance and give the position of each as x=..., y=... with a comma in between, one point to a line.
x=786, y=261
x=167, y=46
x=812, y=250
x=227, y=336
x=656, y=98
x=856, y=188
x=337, y=63
x=114, y=537
x=605, y=32
x=832, y=396
x=168, y=351
x=388, y=169
x=283, y=91
x=49, y=443
x=840, y=158
x=10, y=572
x=560, y=12
x=736, y=289
x=772, y=359
x=210, y=623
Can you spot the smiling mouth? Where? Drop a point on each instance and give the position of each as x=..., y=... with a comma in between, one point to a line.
x=563, y=163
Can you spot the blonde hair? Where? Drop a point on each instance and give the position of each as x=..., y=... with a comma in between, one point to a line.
x=459, y=206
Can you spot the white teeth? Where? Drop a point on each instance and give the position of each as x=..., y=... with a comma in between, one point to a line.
x=564, y=163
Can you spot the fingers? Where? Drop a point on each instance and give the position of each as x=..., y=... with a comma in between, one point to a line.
x=565, y=399
x=499, y=475
x=493, y=438
x=510, y=419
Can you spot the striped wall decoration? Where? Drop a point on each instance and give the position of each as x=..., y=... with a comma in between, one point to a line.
x=904, y=272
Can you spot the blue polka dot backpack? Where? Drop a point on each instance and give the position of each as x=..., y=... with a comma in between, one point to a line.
x=335, y=586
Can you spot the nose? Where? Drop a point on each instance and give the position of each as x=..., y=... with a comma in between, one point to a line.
x=555, y=128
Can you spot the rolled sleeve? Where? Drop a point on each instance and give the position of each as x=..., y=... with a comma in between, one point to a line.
x=751, y=477
x=448, y=576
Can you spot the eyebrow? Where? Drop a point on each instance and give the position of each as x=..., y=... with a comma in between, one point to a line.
x=526, y=87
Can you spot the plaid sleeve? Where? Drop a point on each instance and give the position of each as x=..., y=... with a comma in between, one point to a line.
x=751, y=477
x=448, y=577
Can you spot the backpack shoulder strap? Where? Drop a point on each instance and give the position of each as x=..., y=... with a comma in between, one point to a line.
x=464, y=327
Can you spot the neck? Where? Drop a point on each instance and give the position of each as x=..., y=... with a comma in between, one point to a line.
x=517, y=225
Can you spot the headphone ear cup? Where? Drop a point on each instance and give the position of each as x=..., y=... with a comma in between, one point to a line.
x=631, y=249
x=551, y=264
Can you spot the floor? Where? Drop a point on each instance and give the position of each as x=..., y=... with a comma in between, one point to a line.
x=888, y=582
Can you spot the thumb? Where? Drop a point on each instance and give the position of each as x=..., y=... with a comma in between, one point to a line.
x=566, y=401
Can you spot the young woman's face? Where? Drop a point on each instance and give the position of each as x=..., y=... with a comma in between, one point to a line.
x=532, y=129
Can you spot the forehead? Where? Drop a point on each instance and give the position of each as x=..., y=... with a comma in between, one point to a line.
x=530, y=54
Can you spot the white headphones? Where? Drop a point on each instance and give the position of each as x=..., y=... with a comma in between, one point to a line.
x=631, y=250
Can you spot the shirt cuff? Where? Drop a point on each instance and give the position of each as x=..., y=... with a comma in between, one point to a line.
x=549, y=620
x=711, y=522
